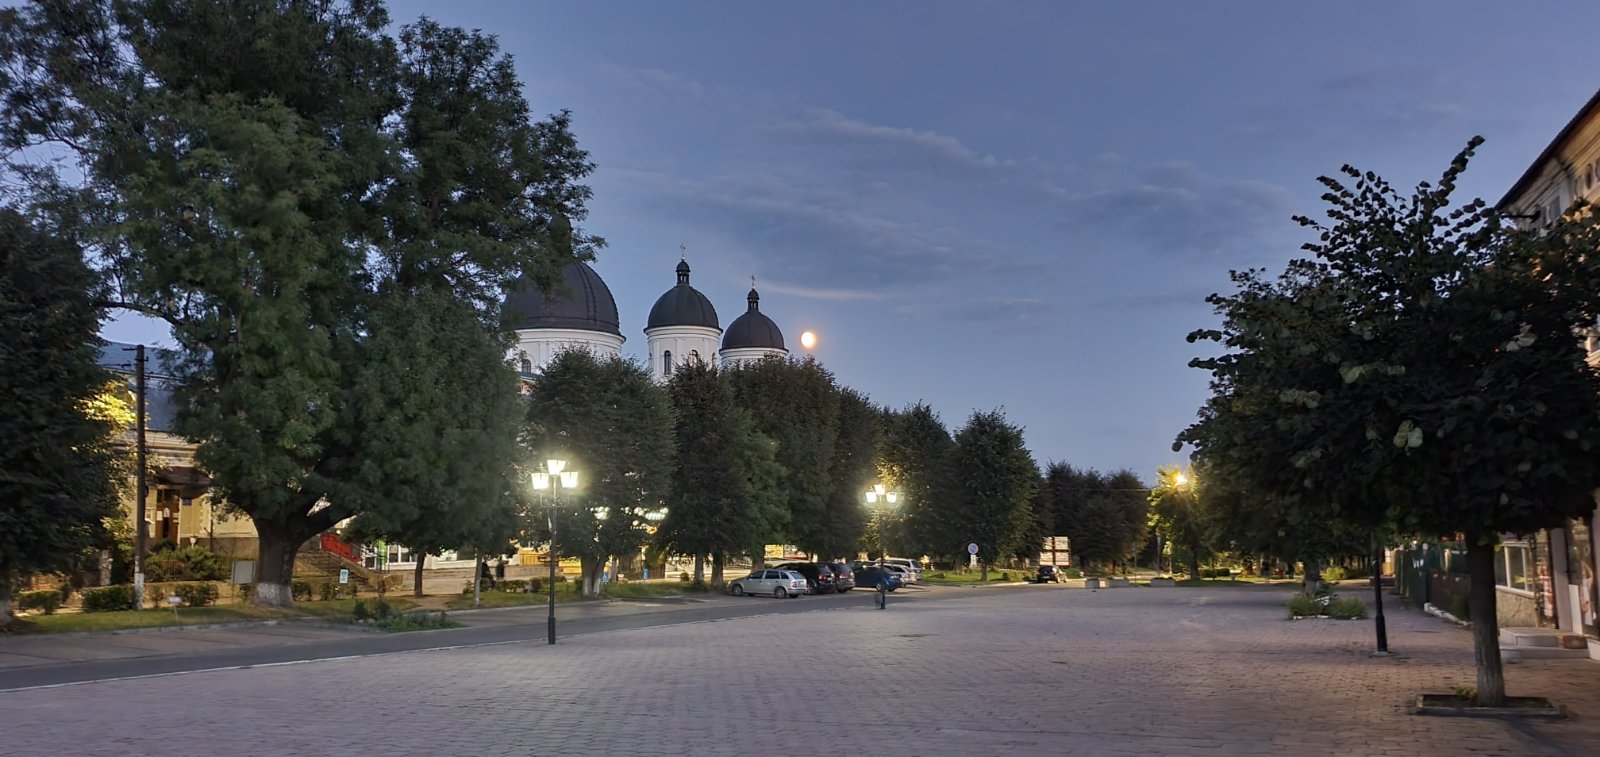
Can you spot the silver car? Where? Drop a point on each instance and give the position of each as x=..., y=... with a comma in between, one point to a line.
x=778, y=583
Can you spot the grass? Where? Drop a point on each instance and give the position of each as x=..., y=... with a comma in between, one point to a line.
x=646, y=590
x=568, y=592
x=948, y=578
x=187, y=616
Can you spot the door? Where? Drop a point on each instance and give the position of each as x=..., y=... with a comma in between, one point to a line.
x=1581, y=578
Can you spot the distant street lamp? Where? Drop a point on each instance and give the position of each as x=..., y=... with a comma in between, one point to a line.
x=890, y=499
x=553, y=479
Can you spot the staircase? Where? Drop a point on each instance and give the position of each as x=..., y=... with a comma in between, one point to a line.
x=1541, y=644
x=326, y=565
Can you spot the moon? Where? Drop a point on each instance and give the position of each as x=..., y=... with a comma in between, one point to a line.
x=808, y=340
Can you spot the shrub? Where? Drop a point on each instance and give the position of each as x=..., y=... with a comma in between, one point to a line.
x=108, y=598
x=1347, y=608
x=300, y=590
x=416, y=621
x=535, y=586
x=1216, y=573
x=327, y=590
x=683, y=576
x=1073, y=573
x=699, y=586
x=46, y=599
x=1303, y=606
x=516, y=585
x=359, y=612
x=244, y=591
x=188, y=564
x=1460, y=608
x=381, y=610
x=196, y=594
x=1333, y=573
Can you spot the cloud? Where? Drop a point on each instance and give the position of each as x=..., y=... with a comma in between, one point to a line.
x=654, y=80
x=1177, y=209
x=918, y=148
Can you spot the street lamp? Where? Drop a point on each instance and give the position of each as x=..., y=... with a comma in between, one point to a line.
x=553, y=479
x=890, y=498
x=654, y=517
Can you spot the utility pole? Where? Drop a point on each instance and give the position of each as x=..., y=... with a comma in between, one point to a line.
x=139, y=536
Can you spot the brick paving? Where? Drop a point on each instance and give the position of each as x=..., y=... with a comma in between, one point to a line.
x=1024, y=671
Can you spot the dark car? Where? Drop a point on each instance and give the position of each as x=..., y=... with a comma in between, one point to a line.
x=819, y=577
x=1048, y=574
x=869, y=575
x=843, y=579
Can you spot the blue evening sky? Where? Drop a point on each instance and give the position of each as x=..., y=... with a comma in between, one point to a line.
x=1014, y=204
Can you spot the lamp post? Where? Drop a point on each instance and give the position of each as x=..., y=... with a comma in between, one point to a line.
x=654, y=517
x=554, y=478
x=890, y=499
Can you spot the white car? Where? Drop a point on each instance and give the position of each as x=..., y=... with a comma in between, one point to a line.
x=778, y=583
x=911, y=568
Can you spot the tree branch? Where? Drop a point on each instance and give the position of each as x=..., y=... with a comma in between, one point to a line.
x=145, y=309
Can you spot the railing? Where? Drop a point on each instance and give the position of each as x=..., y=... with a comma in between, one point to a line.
x=331, y=543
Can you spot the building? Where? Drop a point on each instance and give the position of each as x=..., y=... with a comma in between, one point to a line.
x=1554, y=572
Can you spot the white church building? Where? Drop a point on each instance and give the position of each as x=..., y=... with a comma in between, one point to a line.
x=683, y=326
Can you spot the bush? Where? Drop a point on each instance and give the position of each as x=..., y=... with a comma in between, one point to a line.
x=1333, y=573
x=699, y=586
x=535, y=586
x=1216, y=573
x=381, y=610
x=1347, y=608
x=683, y=576
x=516, y=585
x=46, y=599
x=1303, y=606
x=1005, y=577
x=196, y=594
x=189, y=564
x=416, y=621
x=1460, y=608
x=300, y=590
x=108, y=598
x=1073, y=573
x=327, y=590
x=359, y=612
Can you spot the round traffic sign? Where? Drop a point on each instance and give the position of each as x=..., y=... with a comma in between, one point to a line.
x=972, y=548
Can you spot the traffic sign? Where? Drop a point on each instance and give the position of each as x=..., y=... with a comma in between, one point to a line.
x=344, y=575
x=972, y=548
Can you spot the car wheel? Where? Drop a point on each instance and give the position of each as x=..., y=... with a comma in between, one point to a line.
x=780, y=592
x=737, y=590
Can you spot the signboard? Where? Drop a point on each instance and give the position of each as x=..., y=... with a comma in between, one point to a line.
x=972, y=548
x=244, y=572
x=344, y=575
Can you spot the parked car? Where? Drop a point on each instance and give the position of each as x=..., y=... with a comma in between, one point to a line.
x=778, y=583
x=907, y=578
x=843, y=579
x=819, y=577
x=1048, y=574
x=868, y=575
x=912, y=566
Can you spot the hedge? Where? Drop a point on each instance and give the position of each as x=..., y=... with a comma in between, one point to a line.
x=188, y=564
x=196, y=594
x=108, y=598
x=44, y=599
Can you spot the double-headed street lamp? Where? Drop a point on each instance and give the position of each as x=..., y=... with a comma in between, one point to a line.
x=877, y=493
x=553, y=479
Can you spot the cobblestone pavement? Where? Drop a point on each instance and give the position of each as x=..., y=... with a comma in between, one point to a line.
x=1030, y=670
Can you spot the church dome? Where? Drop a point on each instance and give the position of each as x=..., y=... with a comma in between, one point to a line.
x=753, y=329
x=581, y=301
x=682, y=305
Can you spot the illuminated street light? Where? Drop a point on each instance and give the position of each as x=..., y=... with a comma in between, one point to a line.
x=554, y=478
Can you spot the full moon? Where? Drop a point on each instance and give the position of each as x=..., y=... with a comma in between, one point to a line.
x=808, y=340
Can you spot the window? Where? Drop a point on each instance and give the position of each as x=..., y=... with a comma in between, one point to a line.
x=527, y=366
x=666, y=363
x=1512, y=560
x=694, y=356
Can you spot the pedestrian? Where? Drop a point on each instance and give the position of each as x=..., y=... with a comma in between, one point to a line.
x=483, y=573
x=500, y=570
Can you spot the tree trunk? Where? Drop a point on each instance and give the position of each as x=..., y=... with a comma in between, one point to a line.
x=593, y=567
x=1313, y=575
x=477, y=581
x=1194, y=563
x=983, y=571
x=1485, y=627
x=717, y=562
x=5, y=597
x=274, y=566
x=105, y=567
x=699, y=569
x=416, y=589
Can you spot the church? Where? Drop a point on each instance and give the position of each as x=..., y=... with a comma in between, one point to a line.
x=682, y=328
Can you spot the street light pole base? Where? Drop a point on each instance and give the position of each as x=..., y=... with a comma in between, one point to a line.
x=552, y=630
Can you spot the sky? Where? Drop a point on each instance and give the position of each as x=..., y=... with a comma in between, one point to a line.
x=1014, y=205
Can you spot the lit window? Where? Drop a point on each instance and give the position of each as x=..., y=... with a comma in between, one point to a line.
x=666, y=363
x=1512, y=561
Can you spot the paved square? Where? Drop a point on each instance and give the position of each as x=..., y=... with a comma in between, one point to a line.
x=1030, y=670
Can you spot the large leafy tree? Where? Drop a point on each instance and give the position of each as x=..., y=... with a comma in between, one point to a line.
x=710, y=510
x=1430, y=377
x=614, y=426
x=994, y=486
x=57, y=467
x=1105, y=516
x=854, y=469
x=1179, y=514
x=915, y=454
x=796, y=404
x=265, y=199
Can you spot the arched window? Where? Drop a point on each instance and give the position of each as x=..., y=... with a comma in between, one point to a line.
x=527, y=366
x=666, y=363
x=694, y=357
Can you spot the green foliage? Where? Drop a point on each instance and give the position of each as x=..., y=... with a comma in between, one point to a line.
x=48, y=600
x=709, y=507
x=57, y=468
x=415, y=621
x=359, y=611
x=327, y=590
x=1105, y=516
x=1303, y=606
x=1347, y=608
x=1460, y=607
x=1072, y=573
x=914, y=458
x=796, y=404
x=188, y=564
x=196, y=594
x=301, y=590
x=281, y=212
x=1180, y=512
x=108, y=598
x=854, y=469
x=993, y=494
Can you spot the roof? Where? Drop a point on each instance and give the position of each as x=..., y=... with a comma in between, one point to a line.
x=581, y=302
x=160, y=410
x=1534, y=169
x=682, y=305
x=753, y=329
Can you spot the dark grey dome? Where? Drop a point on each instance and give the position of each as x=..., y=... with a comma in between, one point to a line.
x=580, y=301
x=753, y=329
x=682, y=305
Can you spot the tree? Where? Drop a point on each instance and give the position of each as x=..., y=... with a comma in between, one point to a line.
x=1428, y=375
x=57, y=468
x=615, y=427
x=796, y=404
x=1178, y=514
x=1105, y=517
x=445, y=458
x=263, y=199
x=915, y=457
x=769, y=511
x=710, y=507
x=995, y=485
x=853, y=469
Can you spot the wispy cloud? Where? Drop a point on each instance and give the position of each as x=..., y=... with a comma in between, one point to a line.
x=1177, y=209
x=929, y=147
x=654, y=80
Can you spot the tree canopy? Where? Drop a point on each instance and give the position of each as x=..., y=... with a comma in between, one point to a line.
x=994, y=487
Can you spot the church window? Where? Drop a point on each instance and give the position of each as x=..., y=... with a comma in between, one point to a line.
x=694, y=356
x=666, y=363
x=527, y=366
